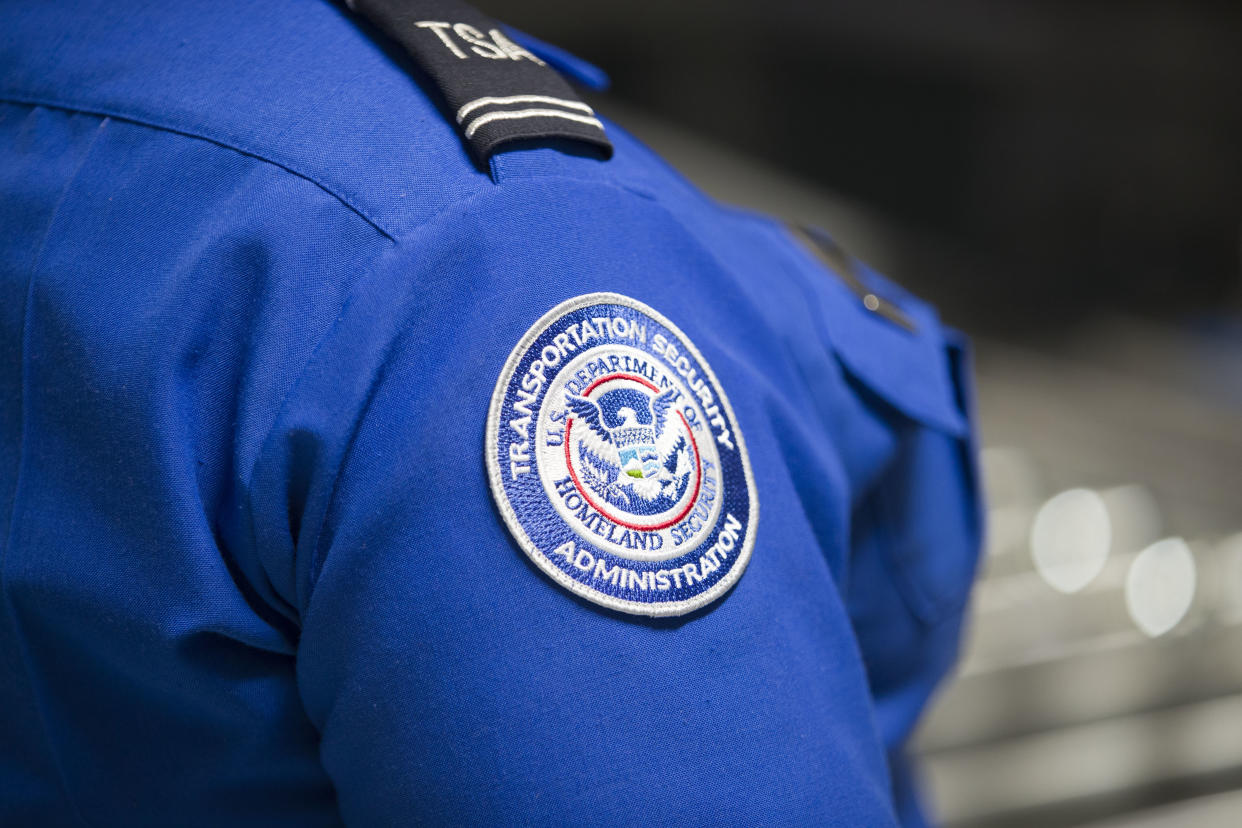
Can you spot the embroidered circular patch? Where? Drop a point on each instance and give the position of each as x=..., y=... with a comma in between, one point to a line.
x=617, y=462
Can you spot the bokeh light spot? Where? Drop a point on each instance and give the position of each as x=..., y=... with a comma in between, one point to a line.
x=1070, y=539
x=1160, y=586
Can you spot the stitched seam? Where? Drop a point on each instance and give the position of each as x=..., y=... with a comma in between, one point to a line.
x=391, y=235
x=318, y=552
x=295, y=387
x=268, y=435
x=316, y=562
x=21, y=462
x=121, y=116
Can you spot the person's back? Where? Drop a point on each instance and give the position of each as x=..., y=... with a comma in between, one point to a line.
x=267, y=561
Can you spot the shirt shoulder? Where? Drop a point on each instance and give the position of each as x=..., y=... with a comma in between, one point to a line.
x=306, y=86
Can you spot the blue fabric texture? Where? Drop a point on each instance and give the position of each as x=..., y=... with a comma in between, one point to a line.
x=254, y=298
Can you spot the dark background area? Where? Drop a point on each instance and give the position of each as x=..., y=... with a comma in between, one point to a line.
x=1064, y=180
x=1037, y=159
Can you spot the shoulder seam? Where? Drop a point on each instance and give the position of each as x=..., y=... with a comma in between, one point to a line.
x=6, y=97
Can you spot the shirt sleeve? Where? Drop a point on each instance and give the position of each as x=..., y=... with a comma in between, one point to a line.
x=449, y=678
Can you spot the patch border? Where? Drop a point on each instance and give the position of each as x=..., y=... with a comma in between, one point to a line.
x=501, y=498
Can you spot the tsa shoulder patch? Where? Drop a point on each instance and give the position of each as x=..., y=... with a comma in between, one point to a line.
x=616, y=460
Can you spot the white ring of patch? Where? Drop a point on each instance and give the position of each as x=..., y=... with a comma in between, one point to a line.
x=496, y=481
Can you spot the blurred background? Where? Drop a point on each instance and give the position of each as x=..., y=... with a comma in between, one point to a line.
x=1064, y=179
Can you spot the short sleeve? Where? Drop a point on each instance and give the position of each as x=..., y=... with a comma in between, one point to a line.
x=451, y=680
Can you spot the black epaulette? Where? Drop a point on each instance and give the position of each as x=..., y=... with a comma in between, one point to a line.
x=497, y=91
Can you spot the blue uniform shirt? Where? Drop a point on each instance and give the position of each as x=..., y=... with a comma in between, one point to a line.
x=255, y=300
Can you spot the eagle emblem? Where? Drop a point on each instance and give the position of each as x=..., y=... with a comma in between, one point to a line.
x=630, y=452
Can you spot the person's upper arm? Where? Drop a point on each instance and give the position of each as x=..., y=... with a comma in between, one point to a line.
x=448, y=676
